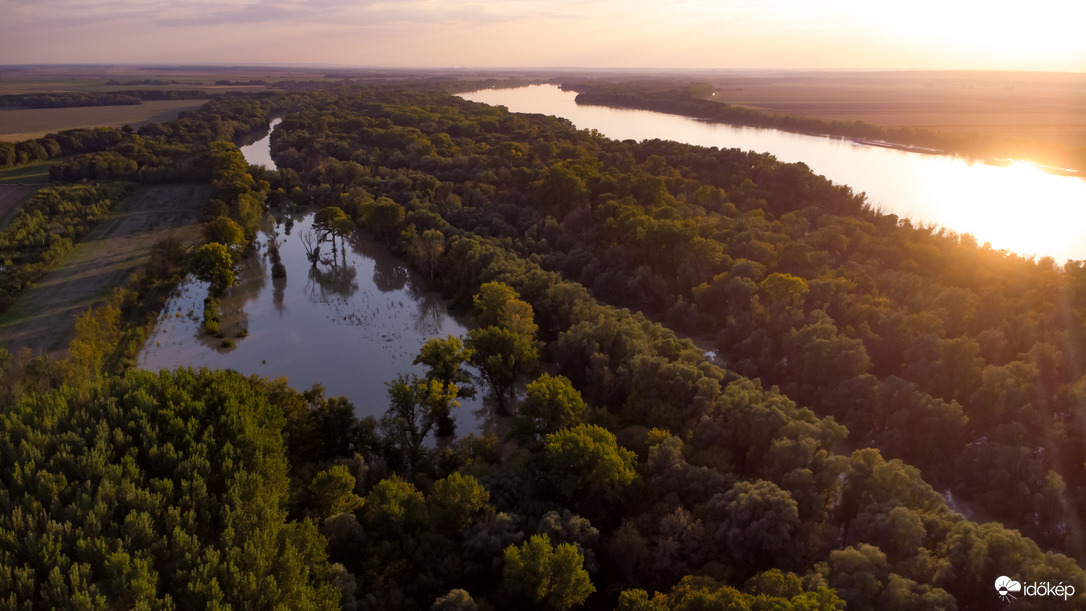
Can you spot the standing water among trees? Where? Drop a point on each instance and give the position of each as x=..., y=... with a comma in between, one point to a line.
x=350, y=326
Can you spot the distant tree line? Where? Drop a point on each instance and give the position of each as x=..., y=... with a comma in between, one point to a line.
x=94, y=98
x=157, y=82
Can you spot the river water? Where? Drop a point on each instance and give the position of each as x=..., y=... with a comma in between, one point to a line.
x=351, y=326
x=259, y=152
x=1019, y=208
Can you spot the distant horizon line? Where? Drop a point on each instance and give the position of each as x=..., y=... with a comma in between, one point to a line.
x=330, y=66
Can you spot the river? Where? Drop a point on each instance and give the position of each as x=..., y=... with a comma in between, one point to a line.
x=351, y=326
x=259, y=152
x=1019, y=208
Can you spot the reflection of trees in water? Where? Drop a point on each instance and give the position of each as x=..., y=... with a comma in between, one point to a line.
x=389, y=277
x=268, y=224
x=388, y=273
x=288, y=224
x=338, y=280
x=486, y=415
x=279, y=286
x=430, y=312
x=310, y=239
x=252, y=277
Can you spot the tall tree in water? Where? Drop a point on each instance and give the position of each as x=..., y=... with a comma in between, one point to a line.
x=504, y=346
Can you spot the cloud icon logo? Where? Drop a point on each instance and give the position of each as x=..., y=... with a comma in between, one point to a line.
x=1005, y=586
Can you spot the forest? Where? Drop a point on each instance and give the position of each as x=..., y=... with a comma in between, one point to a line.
x=866, y=369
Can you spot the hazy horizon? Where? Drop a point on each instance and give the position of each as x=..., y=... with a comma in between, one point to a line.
x=846, y=35
x=642, y=70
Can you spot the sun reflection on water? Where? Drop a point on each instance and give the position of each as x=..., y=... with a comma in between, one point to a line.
x=1017, y=207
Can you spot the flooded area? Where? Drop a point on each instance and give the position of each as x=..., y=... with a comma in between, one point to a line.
x=350, y=327
x=351, y=323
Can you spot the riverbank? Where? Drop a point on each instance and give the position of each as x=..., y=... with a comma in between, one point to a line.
x=672, y=98
x=900, y=147
x=963, y=195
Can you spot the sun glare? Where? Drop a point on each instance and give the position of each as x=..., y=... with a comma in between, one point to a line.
x=1042, y=33
x=1019, y=207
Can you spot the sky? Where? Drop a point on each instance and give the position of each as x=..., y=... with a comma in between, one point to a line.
x=695, y=34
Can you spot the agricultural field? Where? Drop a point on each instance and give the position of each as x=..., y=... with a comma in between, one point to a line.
x=36, y=173
x=42, y=319
x=1048, y=107
x=12, y=198
x=25, y=123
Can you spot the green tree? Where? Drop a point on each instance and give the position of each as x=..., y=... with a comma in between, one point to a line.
x=551, y=403
x=586, y=461
x=225, y=231
x=171, y=488
x=502, y=355
x=426, y=249
x=863, y=579
x=758, y=522
x=385, y=219
x=395, y=507
x=539, y=573
x=332, y=222
x=443, y=359
x=332, y=491
x=499, y=305
x=415, y=407
x=213, y=263
x=504, y=346
x=457, y=501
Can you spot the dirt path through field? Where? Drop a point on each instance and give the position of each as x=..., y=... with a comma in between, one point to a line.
x=43, y=318
x=12, y=198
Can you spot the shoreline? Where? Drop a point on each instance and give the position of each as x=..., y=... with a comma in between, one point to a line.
x=910, y=148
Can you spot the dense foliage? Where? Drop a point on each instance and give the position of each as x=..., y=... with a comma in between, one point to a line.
x=636, y=472
x=801, y=284
x=155, y=490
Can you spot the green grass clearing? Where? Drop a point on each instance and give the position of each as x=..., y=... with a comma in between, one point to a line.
x=31, y=174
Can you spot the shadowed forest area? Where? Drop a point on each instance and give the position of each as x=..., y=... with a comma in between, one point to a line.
x=891, y=419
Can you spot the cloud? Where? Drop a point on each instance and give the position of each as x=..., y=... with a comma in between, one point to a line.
x=195, y=14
